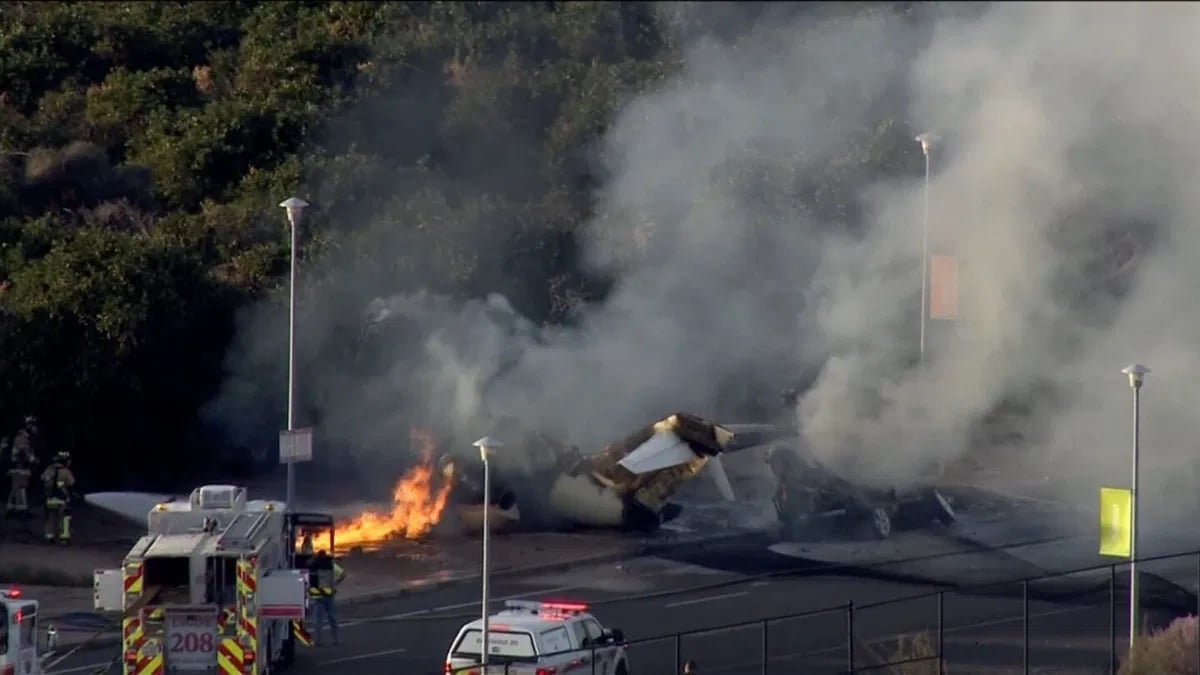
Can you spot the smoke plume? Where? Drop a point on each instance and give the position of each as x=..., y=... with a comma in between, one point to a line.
x=762, y=219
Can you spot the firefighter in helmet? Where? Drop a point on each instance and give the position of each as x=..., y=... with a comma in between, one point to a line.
x=58, y=481
x=324, y=576
x=28, y=440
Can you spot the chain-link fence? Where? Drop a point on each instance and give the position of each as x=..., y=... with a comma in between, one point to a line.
x=1076, y=621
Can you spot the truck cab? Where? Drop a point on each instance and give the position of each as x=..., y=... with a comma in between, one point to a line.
x=18, y=635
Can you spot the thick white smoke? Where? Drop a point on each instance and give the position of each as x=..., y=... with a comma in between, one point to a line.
x=1063, y=182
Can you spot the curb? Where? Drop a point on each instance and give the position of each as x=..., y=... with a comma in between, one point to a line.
x=648, y=549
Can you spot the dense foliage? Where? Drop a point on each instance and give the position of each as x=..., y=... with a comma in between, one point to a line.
x=144, y=147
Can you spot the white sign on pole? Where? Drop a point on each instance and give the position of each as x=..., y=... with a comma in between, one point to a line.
x=295, y=446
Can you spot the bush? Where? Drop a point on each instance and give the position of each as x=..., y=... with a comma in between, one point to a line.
x=915, y=654
x=1170, y=651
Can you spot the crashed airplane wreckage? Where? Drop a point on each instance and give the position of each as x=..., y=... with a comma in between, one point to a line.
x=811, y=500
x=628, y=484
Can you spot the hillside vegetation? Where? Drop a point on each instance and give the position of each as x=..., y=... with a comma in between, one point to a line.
x=144, y=148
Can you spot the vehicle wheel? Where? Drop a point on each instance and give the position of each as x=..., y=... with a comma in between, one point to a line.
x=881, y=522
x=621, y=669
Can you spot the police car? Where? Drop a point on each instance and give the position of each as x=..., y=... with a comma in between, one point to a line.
x=539, y=638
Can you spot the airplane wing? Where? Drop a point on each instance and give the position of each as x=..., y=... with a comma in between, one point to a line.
x=132, y=506
x=682, y=438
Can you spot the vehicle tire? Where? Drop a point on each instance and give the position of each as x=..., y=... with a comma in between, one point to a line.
x=622, y=669
x=881, y=522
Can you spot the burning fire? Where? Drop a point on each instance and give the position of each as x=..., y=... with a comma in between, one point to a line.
x=417, y=504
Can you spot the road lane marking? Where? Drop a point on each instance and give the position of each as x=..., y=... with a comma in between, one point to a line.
x=80, y=669
x=684, y=603
x=460, y=605
x=361, y=657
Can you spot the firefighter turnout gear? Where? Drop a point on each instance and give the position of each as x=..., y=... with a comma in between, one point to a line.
x=58, y=482
x=324, y=576
x=19, y=472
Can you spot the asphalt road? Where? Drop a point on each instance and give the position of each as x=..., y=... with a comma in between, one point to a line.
x=652, y=597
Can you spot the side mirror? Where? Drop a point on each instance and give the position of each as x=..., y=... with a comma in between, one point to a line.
x=614, y=636
x=51, y=638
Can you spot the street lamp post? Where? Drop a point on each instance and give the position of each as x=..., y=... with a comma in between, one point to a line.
x=486, y=445
x=295, y=210
x=1137, y=375
x=927, y=141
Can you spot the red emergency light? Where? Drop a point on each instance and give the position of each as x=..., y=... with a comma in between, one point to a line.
x=12, y=593
x=565, y=606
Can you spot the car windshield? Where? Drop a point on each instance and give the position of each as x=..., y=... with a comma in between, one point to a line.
x=3, y=630
x=504, y=644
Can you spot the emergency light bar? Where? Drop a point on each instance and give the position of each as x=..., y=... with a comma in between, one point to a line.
x=11, y=593
x=546, y=607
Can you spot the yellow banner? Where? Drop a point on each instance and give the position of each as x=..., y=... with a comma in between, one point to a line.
x=1116, y=521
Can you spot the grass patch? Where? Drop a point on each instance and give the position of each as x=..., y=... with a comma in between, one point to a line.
x=31, y=575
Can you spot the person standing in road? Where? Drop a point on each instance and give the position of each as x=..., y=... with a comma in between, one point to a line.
x=58, y=482
x=324, y=576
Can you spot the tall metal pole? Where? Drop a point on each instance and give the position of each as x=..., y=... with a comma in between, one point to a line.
x=926, y=140
x=291, y=404
x=1134, y=596
x=487, y=492
x=294, y=207
x=486, y=445
x=1137, y=375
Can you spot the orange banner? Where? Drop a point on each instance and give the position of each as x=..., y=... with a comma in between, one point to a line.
x=943, y=287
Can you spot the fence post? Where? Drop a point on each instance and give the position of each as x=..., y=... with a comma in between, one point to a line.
x=850, y=637
x=1025, y=626
x=592, y=660
x=765, y=628
x=1112, y=619
x=941, y=634
x=678, y=653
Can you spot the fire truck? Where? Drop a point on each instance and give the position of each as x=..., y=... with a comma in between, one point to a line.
x=216, y=584
x=18, y=635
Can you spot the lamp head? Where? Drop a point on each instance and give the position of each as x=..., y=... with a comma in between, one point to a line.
x=927, y=141
x=1136, y=374
x=295, y=208
x=486, y=445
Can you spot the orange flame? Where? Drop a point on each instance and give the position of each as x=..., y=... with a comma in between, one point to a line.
x=417, y=504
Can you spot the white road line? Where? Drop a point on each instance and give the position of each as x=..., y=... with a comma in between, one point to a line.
x=684, y=603
x=461, y=605
x=80, y=669
x=361, y=657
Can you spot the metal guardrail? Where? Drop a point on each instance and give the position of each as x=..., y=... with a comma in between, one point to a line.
x=851, y=638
